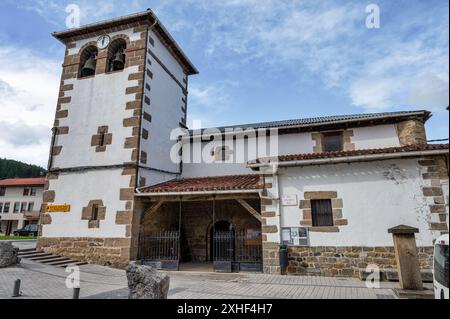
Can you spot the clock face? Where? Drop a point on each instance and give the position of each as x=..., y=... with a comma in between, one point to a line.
x=103, y=42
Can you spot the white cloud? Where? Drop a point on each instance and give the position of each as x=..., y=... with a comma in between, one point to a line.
x=28, y=88
x=431, y=92
x=207, y=102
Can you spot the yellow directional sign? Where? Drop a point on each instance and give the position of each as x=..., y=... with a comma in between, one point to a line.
x=57, y=208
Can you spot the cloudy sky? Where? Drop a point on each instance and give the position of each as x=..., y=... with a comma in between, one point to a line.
x=259, y=60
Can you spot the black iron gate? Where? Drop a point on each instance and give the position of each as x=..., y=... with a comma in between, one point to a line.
x=161, y=250
x=237, y=251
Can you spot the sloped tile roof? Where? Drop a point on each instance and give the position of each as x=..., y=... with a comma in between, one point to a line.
x=390, y=150
x=325, y=120
x=205, y=184
x=23, y=182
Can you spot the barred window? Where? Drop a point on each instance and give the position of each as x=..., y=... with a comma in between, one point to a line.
x=322, y=213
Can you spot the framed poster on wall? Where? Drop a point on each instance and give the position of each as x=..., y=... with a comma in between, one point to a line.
x=295, y=236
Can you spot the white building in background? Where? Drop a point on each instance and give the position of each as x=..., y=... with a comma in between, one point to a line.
x=20, y=203
x=328, y=187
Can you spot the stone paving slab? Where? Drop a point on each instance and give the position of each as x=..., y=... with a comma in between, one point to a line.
x=48, y=282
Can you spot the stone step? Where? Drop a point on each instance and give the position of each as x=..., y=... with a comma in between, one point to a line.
x=45, y=258
x=54, y=260
x=63, y=263
x=49, y=259
x=28, y=253
x=80, y=263
x=34, y=256
x=27, y=250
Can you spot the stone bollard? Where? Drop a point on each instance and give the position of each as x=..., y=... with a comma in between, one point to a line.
x=407, y=258
x=145, y=282
x=9, y=255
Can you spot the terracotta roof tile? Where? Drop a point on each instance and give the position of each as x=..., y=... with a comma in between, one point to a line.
x=23, y=182
x=390, y=150
x=205, y=184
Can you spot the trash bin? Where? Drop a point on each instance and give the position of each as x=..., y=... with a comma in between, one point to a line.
x=283, y=259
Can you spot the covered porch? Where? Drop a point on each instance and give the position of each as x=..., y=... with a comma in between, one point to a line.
x=201, y=224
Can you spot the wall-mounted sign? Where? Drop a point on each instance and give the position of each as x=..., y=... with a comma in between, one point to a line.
x=289, y=200
x=57, y=208
x=253, y=237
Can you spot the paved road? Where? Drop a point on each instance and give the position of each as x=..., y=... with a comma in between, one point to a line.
x=43, y=281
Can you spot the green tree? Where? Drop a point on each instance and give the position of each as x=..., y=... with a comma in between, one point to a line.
x=15, y=169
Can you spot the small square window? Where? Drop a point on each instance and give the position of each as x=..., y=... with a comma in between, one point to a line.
x=26, y=192
x=33, y=191
x=322, y=213
x=332, y=142
x=2, y=191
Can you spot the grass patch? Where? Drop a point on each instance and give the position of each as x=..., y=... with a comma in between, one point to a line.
x=16, y=237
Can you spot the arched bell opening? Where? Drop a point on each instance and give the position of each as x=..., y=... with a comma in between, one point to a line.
x=88, y=62
x=116, y=55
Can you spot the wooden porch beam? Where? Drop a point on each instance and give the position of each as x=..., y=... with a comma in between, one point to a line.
x=152, y=210
x=250, y=209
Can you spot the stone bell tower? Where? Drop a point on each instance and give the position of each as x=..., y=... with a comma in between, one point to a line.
x=123, y=90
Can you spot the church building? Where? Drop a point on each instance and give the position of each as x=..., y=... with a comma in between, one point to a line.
x=127, y=180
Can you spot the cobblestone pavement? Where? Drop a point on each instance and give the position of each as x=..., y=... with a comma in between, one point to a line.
x=43, y=281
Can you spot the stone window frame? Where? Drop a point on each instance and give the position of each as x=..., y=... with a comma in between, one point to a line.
x=88, y=213
x=347, y=145
x=102, y=139
x=337, y=205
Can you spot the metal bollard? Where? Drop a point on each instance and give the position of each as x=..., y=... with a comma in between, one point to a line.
x=76, y=293
x=16, y=290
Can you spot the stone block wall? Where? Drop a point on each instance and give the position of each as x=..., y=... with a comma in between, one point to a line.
x=412, y=132
x=347, y=261
x=112, y=252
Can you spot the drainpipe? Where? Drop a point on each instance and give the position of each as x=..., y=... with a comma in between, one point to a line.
x=52, y=145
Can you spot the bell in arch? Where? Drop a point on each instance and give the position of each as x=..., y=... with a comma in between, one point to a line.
x=119, y=61
x=89, y=67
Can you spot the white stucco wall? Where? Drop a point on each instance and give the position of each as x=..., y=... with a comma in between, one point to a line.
x=77, y=189
x=378, y=136
x=376, y=195
x=96, y=102
x=166, y=58
x=165, y=108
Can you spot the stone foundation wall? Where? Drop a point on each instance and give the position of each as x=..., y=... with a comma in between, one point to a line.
x=112, y=252
x=347, y=261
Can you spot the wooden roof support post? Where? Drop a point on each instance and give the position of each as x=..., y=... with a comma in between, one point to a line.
x=250, y=209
